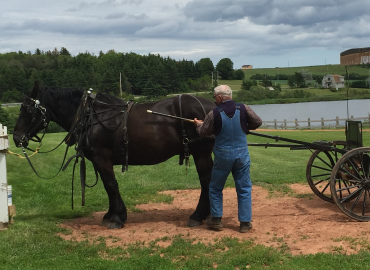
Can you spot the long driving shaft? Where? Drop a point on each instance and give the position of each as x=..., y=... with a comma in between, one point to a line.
x=171, y=116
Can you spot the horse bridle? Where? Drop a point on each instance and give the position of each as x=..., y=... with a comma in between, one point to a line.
x=31, y=128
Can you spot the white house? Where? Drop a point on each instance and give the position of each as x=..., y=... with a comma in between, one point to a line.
x=333, y=81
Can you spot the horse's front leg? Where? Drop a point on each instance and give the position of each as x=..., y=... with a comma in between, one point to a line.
x=116, y=216
x=203, y=162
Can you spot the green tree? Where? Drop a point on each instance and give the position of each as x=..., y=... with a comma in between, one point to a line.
x=239, y=74
x=307, y=76
x=247, y=84
x=266, y=82
x=291, y=81
x=299, y=80
x=204, y=67
x=64, y=51
x=7, y=119
x=37, y=51
x=12, y=96
x=153, y=90
x=225, y=68
x=296, y=80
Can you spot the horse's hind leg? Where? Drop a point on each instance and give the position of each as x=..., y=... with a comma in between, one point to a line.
x=116, y=216
x=203, y=162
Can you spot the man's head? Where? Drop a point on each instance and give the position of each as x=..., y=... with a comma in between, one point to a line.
x=222, y=92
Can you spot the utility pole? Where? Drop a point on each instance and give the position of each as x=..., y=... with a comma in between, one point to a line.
x=120, y=84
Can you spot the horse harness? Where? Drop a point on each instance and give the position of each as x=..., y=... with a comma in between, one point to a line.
x=32, y=110
x=84, y=122
x=86, y=117
x=80, y=133
x=185, y=139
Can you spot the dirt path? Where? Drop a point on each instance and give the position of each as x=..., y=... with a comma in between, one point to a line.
x=305, y=225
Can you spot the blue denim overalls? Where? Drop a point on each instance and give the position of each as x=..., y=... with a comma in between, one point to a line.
x=231, y=155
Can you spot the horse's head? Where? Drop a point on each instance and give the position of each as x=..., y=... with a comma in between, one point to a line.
x=31, y=120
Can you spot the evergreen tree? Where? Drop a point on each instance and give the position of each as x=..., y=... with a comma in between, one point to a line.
x=64, y=51
x=37, y=51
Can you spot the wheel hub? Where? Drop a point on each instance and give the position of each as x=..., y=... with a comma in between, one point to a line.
x=366, y=184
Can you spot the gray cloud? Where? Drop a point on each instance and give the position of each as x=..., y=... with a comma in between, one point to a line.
x=262, y=30
x=270, y=12
x=118, y=15
x=105, y=4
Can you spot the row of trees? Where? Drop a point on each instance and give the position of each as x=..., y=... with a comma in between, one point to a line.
x=150, y=75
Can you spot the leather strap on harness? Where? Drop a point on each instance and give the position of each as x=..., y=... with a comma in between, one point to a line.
x=185, y=139
x=125, y=136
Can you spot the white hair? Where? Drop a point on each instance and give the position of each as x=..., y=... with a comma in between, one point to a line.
x=223, y=90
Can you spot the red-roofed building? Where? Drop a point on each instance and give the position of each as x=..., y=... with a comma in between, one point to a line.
x=333, y=81
x=247, y=67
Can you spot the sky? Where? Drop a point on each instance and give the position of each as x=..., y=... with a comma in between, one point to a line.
x=262, y=33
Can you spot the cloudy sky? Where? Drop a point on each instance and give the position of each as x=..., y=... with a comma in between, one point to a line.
x=262, y=33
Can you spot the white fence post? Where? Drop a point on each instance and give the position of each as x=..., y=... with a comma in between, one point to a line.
x=4, y=212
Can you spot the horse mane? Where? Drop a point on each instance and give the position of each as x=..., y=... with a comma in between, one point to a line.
x=109, y=99
x=65, y=100
x=61, y=99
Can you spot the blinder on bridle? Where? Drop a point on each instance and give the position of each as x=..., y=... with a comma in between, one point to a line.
x=32, y=110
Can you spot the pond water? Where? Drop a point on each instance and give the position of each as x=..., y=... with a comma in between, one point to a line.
x=313, y=110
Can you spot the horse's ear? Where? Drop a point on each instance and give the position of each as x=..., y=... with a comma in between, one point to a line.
x=35, y=90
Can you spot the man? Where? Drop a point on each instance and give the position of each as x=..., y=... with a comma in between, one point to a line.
x=230, y=122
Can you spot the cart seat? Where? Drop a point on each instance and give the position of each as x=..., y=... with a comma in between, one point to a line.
x=353, y=134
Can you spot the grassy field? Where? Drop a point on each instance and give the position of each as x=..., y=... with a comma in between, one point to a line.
x=318, y=70
x=32, y=241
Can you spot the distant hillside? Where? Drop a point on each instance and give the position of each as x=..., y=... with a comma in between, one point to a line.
x=317, y=70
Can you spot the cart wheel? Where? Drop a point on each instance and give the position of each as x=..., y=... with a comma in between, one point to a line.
x=350, y=183
x=319, y=169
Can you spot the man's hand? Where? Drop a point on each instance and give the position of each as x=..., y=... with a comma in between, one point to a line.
x=196, y=121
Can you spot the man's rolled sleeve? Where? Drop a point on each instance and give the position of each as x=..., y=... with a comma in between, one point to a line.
x=254, y=121
x=206, y=128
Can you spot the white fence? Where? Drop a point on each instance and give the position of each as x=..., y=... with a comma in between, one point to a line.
x=311, y=124
x=4, y=209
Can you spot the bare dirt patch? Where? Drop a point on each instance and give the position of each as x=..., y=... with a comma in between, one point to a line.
x=302, y=225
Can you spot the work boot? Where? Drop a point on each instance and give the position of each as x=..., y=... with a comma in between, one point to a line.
x=214, y=223
x=245, y=227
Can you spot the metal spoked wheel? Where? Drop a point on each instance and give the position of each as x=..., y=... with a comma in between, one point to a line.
x=319, y=168
x=350, y=183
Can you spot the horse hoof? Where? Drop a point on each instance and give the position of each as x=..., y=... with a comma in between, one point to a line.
x=193, y=223
x=105, y=223
x=115, y=225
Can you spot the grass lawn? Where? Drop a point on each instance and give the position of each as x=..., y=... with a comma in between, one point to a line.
x=31, y=242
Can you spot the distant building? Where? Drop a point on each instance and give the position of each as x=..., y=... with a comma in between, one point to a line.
x=333, y=81
x=355, y=56
x=247, y=67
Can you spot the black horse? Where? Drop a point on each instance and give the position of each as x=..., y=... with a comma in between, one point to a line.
x=151, y=138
